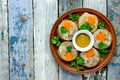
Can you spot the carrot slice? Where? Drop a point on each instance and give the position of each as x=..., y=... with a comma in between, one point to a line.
x=101, y=36
x=69, y=56
x=67, y=24
x=91, y=19
x=89, y=53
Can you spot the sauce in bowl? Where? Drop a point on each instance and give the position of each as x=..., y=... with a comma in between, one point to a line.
x=83, y=40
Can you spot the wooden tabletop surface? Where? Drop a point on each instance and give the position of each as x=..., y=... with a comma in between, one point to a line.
x=25, y=27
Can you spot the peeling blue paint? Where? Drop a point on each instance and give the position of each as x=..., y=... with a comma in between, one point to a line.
x=13, y=39
x=2, y=34
x=20, y=38
x=118, y=34
x=117, y=54
x=23, y=70
x=115, y=64
x=23, y=40
x=14, y=63
x=114, y=16
x=112, y=13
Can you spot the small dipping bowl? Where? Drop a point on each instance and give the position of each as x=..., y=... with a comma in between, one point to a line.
x=83, y=40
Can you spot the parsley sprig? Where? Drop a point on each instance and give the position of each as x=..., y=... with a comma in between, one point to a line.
x=73, y=17
x=103, y=52
x=78, y=63
x=102, y=49
x=101, y=25
x=80, y=68
x=63, y=30
x=69, y=48
x=86, y=26
x=102, y=45
x=56, y=41
x=72, y=63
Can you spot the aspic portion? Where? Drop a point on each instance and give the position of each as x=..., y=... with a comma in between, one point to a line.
x=88, y=19
x=66, y=29
x=67, y=52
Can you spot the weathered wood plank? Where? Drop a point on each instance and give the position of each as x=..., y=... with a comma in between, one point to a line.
x=99, y=5
x=45, y=14
x=4, y=60
x=114, y=16
x=21, y=39
x=65, y=5
x=65, y=75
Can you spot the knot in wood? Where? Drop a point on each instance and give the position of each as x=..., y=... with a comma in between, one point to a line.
x=25, y=18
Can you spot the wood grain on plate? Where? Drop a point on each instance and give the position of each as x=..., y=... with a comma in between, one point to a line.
x=102, y=62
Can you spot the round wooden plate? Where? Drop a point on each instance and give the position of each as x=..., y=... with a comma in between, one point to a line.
x=103, y=61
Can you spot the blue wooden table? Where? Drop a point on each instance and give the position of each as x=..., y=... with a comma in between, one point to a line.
x=25, y=27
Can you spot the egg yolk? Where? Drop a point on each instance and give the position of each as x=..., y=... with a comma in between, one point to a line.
x=67, y=24
x=89, y=53
x=91, y=19
x=69, y=56
x=101, y=36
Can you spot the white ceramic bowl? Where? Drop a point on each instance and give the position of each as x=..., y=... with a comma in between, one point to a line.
x=87, y=47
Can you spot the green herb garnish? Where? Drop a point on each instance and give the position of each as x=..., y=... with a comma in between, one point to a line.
x=69, y=48
x=85, y=26
x=56, y=41
x=102, y=55
x=101, y=25
x=72, y=64
x=80, y=68
x=102, y=45
x=78, y=63
x=73, y=17
x=103, y=52
x=63, y=30
x=102, y=49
